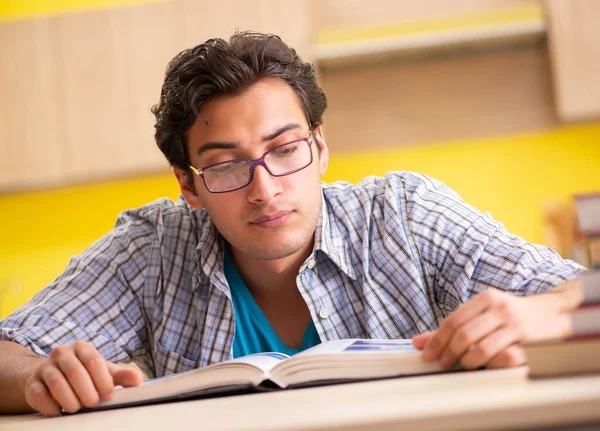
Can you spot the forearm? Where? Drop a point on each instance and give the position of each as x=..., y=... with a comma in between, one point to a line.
x=17, y=364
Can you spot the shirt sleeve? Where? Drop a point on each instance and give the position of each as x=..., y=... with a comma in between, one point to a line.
x=96, y=299
x=466, y=251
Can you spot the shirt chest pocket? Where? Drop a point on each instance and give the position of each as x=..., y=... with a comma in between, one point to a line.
x=168, y=362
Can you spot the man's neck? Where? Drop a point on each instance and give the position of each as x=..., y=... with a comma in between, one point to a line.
x=272, y=283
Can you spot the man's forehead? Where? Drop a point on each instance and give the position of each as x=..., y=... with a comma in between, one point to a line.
x=267, y=94
x=258, y=112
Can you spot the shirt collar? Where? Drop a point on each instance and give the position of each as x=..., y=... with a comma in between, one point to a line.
x=210, y=248
x=330, y=240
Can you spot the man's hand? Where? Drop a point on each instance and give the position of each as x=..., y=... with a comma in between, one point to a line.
x=74, y=376
x=487, y=330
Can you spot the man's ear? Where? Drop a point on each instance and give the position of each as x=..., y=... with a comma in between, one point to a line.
x=324, y=151
x=188, y=192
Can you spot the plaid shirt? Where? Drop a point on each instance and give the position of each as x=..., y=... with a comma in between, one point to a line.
x=392, y=257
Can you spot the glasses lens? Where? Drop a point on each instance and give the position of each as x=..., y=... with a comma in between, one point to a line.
x=288, y=158
x=227, y=176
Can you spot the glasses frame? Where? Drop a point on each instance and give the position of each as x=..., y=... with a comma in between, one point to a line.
x=257, y=162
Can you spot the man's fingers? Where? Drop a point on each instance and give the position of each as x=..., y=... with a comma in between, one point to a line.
x=39, y=399
x=490, y=346
x=458, y=318
x=468, y=335
x=73, y=376
x=97, y=370
x=513, y=356
x=419, y=341
x=59, y=388
x=125, y=376
x=78, y=378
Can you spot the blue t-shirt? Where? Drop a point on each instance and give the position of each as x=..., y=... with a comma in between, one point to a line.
x=253, y=332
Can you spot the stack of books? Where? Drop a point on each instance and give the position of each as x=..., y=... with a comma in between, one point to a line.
x=588, y=223
x=579, y=353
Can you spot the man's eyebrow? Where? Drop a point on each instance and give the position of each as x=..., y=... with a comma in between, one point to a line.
x=280, y=131
x=207, y=146
x=224, y=145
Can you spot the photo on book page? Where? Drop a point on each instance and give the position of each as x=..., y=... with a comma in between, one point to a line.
x=380, y=345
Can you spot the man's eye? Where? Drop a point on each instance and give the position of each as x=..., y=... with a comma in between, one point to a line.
x=286, y=151
x=222, y=169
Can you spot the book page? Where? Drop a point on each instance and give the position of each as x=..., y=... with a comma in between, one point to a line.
x=353, y=359
x=265, y=361
x=363, y=346
x=225, y=376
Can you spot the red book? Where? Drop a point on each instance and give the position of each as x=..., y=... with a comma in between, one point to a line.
x=588, y=214
x=562, y=357
x=586, y=319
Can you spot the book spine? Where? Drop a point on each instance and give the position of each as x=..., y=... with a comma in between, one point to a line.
x=586, y=321
x=588, y=211
x=593, y=246
x=591, y=287
x=583, y=337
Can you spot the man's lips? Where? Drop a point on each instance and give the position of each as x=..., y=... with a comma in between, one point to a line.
x=272, y=220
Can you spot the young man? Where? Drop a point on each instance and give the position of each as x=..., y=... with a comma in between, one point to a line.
x=259, y=255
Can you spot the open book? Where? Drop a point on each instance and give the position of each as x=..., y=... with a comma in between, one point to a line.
x=330, y=362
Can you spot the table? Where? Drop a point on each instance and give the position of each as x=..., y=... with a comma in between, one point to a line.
x=486, y=399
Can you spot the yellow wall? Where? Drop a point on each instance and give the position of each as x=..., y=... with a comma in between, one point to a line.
x=25, y=9
x=510, y=176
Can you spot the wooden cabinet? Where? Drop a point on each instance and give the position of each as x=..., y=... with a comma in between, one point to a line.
x=574, y=41
x=31, y=117
x=112, y=69
x=76, y=89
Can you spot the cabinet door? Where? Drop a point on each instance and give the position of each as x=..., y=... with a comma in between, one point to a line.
x=31, y=109
x=77, y=88
x=574, y=44
x=287, y=19
x=112, y=68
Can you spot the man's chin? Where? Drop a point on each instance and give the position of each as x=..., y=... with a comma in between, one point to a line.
x=269, y=251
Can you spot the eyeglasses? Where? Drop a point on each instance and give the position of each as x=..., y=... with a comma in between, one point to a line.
x=235, y=174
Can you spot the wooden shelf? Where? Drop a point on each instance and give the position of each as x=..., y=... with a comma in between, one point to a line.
x=507, y=26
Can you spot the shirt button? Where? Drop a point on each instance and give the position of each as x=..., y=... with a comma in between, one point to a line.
x=323, y=314
x=311, y=264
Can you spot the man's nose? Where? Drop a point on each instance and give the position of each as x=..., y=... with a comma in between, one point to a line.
x=263, y=187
